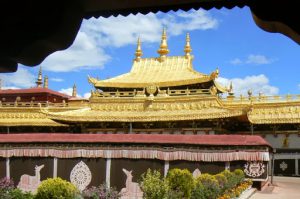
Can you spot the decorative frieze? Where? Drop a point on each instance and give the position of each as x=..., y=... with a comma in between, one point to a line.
x=211, y=156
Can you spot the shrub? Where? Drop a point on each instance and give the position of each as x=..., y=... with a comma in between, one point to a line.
x=240, y=176
x=231, y=180
x=198, y=191
x=19, y=194
x=174, y=194
x=180, y=181
x=222, y=181
x=209, y=185
x=101, y=192
x=6, y=184
x=56, y=188
x=153, y=186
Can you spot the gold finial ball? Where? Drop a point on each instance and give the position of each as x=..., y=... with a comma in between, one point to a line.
x=249, y=92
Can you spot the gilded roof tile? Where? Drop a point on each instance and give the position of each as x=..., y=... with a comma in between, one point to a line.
x=173, y=71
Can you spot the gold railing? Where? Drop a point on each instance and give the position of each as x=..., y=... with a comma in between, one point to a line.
x=261, y=99
x=117, y=94
x=168, y=92
x=188, y=92
x=32, y=104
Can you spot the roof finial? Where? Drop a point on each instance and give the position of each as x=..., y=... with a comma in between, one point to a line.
x=230, y=89
x=46, y=81
x=39, y=80
x=138, y=52
x=74, y=91
x=163, y=50
x=187, y=48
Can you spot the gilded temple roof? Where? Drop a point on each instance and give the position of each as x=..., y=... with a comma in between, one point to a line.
x=278, y=114
x=89, y=115
x=173, y=71
x=25, y=117
x=142, y=110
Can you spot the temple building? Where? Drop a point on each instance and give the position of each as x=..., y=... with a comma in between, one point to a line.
x=162, y=114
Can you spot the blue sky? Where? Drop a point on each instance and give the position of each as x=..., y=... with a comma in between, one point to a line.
x=228, y=39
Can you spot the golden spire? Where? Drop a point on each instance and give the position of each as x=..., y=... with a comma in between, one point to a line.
x=39, y=80
x=187, y=48
x=230, y=90
x=46, y=81
x=74, y=92
x=138, y=52
x=163, y=50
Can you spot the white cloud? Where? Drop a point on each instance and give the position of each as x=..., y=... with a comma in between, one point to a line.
x=258, y=59
x=87, y=95
x=20, y=79
x=88, y=49
x=253, y=59
x=257, y=83
x=180, y=22
x=68, y=91
x=56, y=79
x=120, y=31
x=236, y=61
x=83, y=54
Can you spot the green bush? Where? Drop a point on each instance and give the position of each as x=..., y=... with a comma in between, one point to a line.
x=240, y=176
x=198, y=191
x=56, y=188
x=6, y=185
x=153, y=186
x=172, y=194
x=101, y=192
x=231, y=179
x=222, y=181
x=180, y=181
x=208, y=185
x=19, y=194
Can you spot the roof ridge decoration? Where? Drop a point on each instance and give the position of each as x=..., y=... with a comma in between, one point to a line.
x=163, y=49
x=187, y=48
x=74, y=90
x=39, y=80
x=46, y=81
x=138, y=52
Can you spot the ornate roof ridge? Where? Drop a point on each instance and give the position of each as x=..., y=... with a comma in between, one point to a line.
x=168, y=57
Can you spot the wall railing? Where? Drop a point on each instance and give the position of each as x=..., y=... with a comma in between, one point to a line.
x=159, y=93
x=260, y=99
x=32, y=104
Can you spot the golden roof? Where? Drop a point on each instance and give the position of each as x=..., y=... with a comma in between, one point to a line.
x=142, y=110
x=17, y=117
x=278, y=114
x=173, y=71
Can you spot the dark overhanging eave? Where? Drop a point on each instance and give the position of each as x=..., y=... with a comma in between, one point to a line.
x=166, y=6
